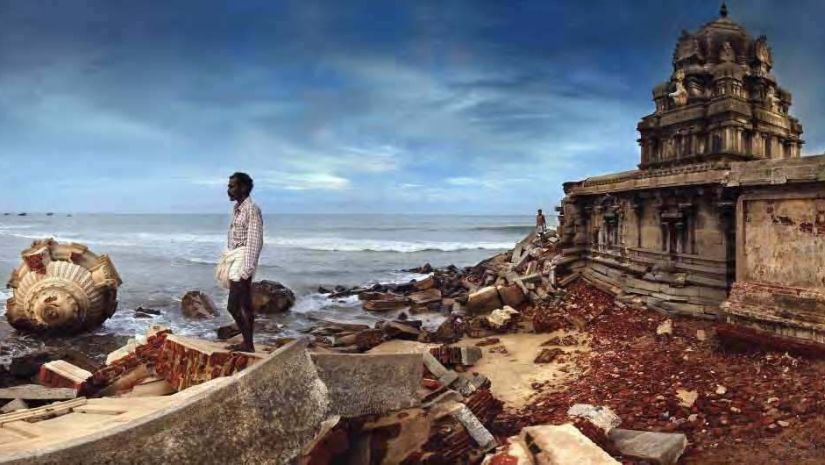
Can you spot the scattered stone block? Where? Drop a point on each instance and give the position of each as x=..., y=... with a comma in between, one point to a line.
x=515, y=452
x=686, y=398
x=563, y=445
x=424, y=284
x=511, y=295
x=118, y=354
x=60, y=373
x=502, y=318
x=476, y=430
x=665, y=328
x=425, y=297
x=602, y=417
x=657, y=448
x=484, y=300
x=14, y=405
x=548, y=355
x=385, y=305
x=369, y=384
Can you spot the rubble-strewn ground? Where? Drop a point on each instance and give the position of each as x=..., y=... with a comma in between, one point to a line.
x=753, y=407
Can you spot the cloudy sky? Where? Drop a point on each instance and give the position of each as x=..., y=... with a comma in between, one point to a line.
x=348, y=106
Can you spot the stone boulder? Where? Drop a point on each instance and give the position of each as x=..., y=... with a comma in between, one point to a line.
x=271, y=297
x=511, y=295
x=484, y=300
x=196, y=304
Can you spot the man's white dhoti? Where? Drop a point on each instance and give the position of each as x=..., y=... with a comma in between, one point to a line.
x=230, y=267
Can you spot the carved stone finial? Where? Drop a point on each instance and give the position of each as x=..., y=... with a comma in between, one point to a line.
x=723, y=11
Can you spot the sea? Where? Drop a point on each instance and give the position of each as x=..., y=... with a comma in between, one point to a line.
x=161, y=257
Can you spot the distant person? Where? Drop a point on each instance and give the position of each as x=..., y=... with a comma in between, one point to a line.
x=238, y=264
x=541, y=224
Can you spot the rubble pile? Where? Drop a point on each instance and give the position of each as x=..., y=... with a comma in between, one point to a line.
x=676, y=381
x=451, y=426
x=480, y=301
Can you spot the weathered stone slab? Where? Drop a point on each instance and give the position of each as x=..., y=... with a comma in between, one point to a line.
x=564, y=445
x=658, y=448
x=483, y=300
x=16, y=404
x=370, y=384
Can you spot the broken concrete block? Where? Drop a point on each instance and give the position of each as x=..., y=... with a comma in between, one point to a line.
x=657, y=448
x=470, y=355
x=602, y=417
x=37, y=392
x=515, y=452
x=686, y=398
x=511, y=295
x=61, y=373
x=476, y=430
x=369, y=384
x=468, y=384
x=484, y=300
x=563, y=445
x=502, y=318
x=14, y=405
x=548, y=355
x=425, y=297
x=665, y=328
x=424, y=284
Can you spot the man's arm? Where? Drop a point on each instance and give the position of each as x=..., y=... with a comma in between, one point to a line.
x=254, y=242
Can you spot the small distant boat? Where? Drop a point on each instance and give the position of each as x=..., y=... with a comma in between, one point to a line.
x=6, y=214
x=22, y=214
x=49, y=214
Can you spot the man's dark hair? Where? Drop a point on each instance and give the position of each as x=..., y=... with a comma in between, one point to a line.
x=244, y=179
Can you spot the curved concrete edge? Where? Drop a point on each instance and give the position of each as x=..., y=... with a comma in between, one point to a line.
x=265, y=415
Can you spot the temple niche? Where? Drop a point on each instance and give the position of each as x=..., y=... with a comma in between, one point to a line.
x=698, y=224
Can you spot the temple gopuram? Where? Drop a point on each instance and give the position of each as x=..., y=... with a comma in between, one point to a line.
x=723, y=218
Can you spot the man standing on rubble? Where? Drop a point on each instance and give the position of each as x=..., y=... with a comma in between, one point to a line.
x=541, y=224
x=238, y=264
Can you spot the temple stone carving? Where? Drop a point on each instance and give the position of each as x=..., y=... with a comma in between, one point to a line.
x=61, y=288
x=722, y=208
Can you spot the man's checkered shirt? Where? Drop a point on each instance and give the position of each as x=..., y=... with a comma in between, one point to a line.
x=247, y=229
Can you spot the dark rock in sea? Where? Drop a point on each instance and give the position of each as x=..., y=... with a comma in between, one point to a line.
x=22, y=214
x=339, y=289
x=228, y=331
x=196, y=304
x=323, y=290
x=272, y=297
x=141, y=312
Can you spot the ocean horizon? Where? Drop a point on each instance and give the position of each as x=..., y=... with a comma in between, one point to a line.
x=162, y=256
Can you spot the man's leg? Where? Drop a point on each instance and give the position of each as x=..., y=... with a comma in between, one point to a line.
x=237, y=298
x=248, y=314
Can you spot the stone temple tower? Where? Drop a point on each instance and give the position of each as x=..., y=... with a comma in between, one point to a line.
x=723, y=218
x=721, y=102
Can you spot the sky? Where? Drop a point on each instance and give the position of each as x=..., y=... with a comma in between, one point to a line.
x=349, y=106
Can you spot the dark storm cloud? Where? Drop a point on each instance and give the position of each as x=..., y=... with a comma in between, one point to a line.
x=349, y=105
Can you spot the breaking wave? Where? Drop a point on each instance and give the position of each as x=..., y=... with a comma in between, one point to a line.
x=337, y=244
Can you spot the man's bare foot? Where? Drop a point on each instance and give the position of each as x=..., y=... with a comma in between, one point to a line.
x=242, y=347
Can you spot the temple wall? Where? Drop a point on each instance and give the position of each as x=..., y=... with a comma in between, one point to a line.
x=781, y=237
x=708, y=231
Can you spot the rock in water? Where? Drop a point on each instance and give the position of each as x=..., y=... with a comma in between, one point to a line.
x=61, y=288
x=271, y=297
x=196, y=304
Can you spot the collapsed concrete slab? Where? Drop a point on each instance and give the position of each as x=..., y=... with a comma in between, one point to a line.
x=369, y=384
x=264, y=414
x=657, y=448
x=563, y=445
